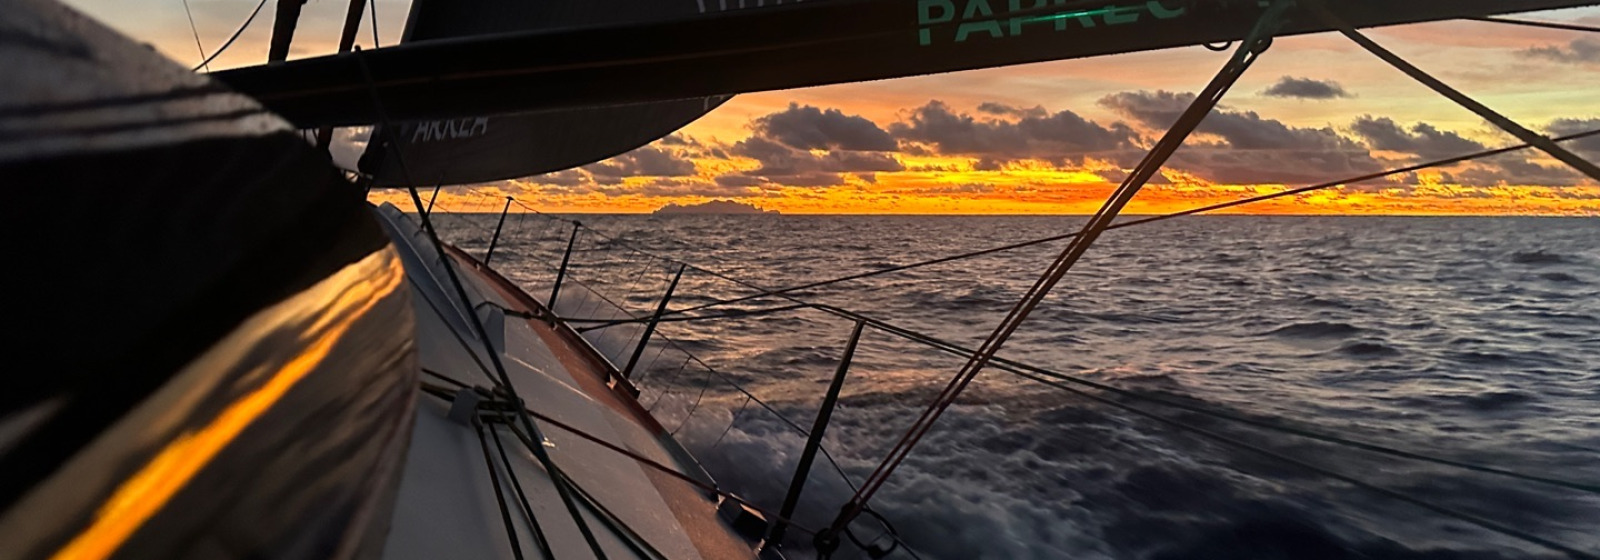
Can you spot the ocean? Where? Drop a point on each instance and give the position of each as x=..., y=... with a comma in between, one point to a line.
x=1475, y=340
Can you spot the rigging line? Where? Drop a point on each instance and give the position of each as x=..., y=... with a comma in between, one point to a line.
x=499, y=495
x=448, y=395
x=1506, y=124
x=696, y=407
x=1544, y=24
x=763, y=404
x=630, y=538
x=1442, y=510
x=635, y=542
x=196, y=30
x=533, y=521
x=691, y=357
x=229, y=42
x=373, y=8
x=494, y=356
x=607, y=323
x=1018, y=368
x=1249, y=51
x=1190, y=212
x=731, y=422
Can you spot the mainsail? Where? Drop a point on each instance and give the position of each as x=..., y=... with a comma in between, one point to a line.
x=774, y=47
x=474, y=149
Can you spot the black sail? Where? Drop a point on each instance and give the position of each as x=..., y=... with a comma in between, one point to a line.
x=771, y=47
x=487, y=148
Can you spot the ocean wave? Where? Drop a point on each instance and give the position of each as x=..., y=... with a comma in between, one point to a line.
x=1317, y=329
x=1368, y=349
x=1539, y=257
x=1561, y=278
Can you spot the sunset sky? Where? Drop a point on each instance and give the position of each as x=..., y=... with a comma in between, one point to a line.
x=1056, y=137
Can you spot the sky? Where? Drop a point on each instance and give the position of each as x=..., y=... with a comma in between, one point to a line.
x=1056, y=137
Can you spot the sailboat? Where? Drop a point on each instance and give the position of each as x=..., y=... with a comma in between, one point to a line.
x=255, y=362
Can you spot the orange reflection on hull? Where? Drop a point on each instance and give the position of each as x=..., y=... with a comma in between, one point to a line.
x=323, y=314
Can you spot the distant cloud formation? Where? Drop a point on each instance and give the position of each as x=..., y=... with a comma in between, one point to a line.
x=1422, y=139
x=996, y=153
x=1248, y=148
x=647, y=161
x=786, y=143
x=1428, y=142
x=1306, y=88
x=1587, y=147
x=1579, y=51
x=810, y=128
x=1034, y=133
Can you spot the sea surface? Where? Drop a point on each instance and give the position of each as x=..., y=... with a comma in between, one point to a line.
x=1475, y=340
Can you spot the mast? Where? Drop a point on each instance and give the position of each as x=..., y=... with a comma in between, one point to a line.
x=347, y=40
x=283, y=24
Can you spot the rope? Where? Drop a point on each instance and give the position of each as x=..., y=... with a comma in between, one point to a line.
x=447, y=395
x=1544, y=24
x=635, y=542
x=750, y=397
x=605, y=323
x=1249, y=51
x=196, y=31
x=373, y=7
x=504, y=380
x=499, y=495
x=1508, y=125
x=229, y=42
x=533, y=521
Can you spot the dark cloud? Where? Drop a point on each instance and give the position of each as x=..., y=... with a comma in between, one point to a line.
x=1305, y=88
x=1253, y=149
x=1001, y=109
x=806, y=146
x=1587, y=147
x=1579, y=51
x=1244, y=130
x=739, y=181
x=1516, y=170
x=1428, y=142
x=688, y=146
x=809, y=128
x=564, y=178
x=1422, y=139
x=648, y=161
x=1035, y=134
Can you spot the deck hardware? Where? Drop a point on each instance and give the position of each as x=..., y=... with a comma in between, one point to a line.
x=497, y=227
x=814, y=441
x=650, y=328
x=561, y=274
